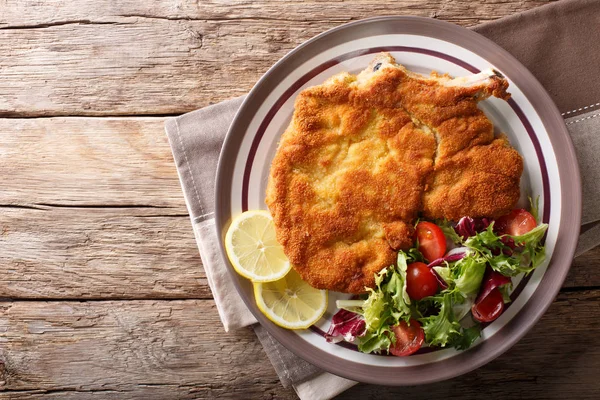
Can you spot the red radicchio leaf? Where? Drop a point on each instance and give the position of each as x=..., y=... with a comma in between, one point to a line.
x=440, y=280
x=346, y=325
x=508, y=241
x=448, y=258
x=491, y=280
x=467, y=226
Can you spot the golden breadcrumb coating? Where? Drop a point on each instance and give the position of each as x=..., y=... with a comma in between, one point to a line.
x=365, y=154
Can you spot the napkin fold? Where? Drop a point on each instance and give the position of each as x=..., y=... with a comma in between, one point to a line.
x=559, y=43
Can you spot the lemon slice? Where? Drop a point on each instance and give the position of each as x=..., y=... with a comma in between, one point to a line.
x=290, y=302
x=252, y=248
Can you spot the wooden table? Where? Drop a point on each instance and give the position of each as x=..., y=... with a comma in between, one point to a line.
x=103, y=290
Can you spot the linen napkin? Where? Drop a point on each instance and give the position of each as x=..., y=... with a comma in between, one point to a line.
x=559, y=43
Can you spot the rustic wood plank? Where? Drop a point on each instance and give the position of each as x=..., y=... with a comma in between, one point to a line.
x=88, y=162
x=133, y=349
x=58, y=253
x=19, y=13
x=177, y=347
x=584, y=270
x=103, y=58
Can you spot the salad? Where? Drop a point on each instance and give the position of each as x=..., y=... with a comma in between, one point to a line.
x=440, y=292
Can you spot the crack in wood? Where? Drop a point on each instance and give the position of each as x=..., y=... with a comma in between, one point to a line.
x=8, y=300
x=573, y=289
x=60, y=23
x=233, y=19
x=61, y=390
x=17, y=115
x=22, y=206
x=119, y=206
x=48, y=206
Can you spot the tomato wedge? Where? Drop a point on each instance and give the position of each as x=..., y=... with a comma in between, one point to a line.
x=409, y=338
x=420, y=281
x=517, y=223
x=432, y=242
x=490, y=307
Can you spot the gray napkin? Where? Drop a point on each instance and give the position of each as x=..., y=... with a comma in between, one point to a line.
x=545, y=39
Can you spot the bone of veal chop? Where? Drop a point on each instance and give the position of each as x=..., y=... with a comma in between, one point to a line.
x=365, y=154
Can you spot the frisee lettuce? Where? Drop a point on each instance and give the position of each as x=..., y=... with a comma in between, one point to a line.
x=469, y=273
x=528, y=254
x=467, y=337
x=534, y=209
x=449, y=232
x=464, y=276
x=386, y=305
x=440, y=328
x=376, y=341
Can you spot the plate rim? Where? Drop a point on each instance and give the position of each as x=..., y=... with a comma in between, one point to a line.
x=569, y=177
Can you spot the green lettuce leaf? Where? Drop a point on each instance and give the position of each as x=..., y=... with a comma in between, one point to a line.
x=445, y=273
x=528, y=255
x=397, y=285
x=441, y=328
x=467, y=336
x=374, y=309
x=509, y=265
x=485, y=242
x=505, y=290
x=462, y=306
x=375, y=341
x=449, y=231
x=534, y=209
x=414, y=255
x=469, y=274
x=464, y=275
x=384, y=307
x=534, y=236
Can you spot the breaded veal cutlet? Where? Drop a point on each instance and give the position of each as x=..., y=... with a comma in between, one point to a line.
x=365, y=154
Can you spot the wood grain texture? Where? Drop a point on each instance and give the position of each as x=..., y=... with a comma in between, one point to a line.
x=88, y=162
x=177, y=348
x=83, y=253
x=18, y=13
x=132, y=349
x=131, y=58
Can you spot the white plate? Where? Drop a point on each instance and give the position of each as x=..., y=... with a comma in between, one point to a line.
x=529, y=119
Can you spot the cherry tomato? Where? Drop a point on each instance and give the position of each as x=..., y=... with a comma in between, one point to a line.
x=517, y=223
x=409, y=338
x=420, y=281
x=489, y=308
x=432, y=242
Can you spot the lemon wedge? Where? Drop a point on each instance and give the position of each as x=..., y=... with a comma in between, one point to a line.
x=290, y=302
x=252, y=248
